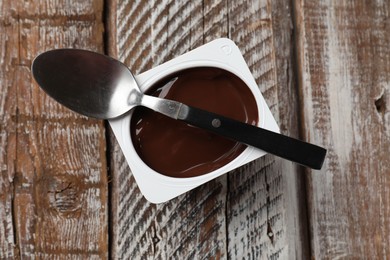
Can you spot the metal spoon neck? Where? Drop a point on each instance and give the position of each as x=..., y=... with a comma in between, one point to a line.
x=170, y=108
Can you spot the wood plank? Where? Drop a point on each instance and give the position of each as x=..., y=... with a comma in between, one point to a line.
x=222, y=218
x=266, y=206
x=344, y=68
x=7, y=135
x=192, y=225
x=53, y=173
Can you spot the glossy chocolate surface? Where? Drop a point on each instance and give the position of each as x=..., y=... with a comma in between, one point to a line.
x=174, y=148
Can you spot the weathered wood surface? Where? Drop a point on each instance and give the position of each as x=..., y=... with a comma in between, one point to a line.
x=323, y=67
x=254, y=212
x=53, y=184
x=344, y=68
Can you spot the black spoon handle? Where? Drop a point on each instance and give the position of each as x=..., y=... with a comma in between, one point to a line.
x=280, y=145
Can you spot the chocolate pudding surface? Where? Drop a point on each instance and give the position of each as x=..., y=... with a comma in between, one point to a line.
x=174, y=148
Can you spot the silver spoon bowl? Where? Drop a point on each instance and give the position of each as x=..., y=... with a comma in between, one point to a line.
x=94, y=85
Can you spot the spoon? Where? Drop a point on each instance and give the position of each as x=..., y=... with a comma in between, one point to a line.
x=101, y=87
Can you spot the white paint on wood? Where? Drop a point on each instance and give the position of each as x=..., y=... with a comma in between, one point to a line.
x=238, y=217
x=173, y=229
x=344, y=69
x=52, y=180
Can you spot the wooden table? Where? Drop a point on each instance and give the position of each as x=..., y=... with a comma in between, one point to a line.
x=323, y=67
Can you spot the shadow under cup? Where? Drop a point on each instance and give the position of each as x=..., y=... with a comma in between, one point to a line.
x=176, y=149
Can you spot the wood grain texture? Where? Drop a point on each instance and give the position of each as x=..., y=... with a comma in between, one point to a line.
x=256, y=212
x=53, y=163
x=53, y=186
x=344, y=67
x=145, y=31
x=266, y=208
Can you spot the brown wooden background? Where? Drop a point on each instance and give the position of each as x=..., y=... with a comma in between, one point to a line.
x=324, y=69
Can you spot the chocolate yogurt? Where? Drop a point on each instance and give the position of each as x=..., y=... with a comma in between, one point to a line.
x=174, y=148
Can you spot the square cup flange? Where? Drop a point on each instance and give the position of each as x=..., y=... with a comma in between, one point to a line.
x=221, y=53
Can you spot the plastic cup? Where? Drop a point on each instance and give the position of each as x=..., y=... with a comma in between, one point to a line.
x=220, y=53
